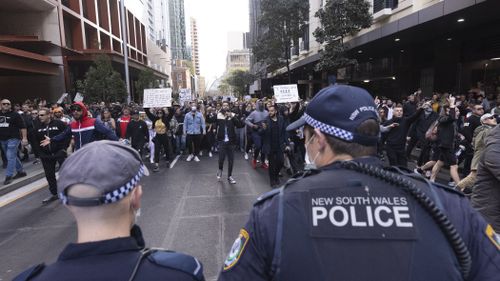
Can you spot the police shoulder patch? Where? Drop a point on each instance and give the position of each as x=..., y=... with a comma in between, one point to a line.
x=236, y=250
x=267, y=195
x=494, y=237
x=177, y=261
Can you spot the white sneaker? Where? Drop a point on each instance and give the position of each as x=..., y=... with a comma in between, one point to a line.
x=210, y=154
x=246, y=156
x=190, y=157
x=196, y=159
x=219, y=175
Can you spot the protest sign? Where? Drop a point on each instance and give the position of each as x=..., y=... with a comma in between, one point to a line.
x=185, y=95
x=78, y=97
x=286, y=93
x=157, y=98
x=61, y=99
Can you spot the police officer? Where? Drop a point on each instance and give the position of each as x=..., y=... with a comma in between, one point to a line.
x=351, y=219
x=105, y=197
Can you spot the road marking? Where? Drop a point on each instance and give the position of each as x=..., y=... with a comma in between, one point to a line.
x=175, y=161
x=22, y=192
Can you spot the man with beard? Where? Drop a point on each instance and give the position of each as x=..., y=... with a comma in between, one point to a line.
x=227, y=122
x=137, y=132
x=275, y=143
x=53, y=153
x=254, y=121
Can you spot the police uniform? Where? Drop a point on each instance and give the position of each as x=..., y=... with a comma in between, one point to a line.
x=115, y=171
x=355, y=220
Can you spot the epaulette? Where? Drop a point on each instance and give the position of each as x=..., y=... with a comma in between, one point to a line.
x=270, y=194
x=449, y=189
x=177, y=261
x=30, y=272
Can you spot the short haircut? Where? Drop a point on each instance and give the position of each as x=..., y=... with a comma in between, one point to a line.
x=370, y=128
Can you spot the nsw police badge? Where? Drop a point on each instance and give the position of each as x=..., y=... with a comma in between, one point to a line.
x=236, y=250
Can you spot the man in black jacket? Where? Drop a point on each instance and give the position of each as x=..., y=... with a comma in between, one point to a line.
x=396, y=137
x=421, y=126
x=470, y=125
x=137, y=133
x=275, y=143
x=227, y=122
x=53, y=153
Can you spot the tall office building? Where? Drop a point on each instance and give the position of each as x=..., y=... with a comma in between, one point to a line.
x=194, y=47
x=177, y=30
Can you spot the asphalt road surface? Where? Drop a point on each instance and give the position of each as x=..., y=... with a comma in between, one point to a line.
x=183, y=209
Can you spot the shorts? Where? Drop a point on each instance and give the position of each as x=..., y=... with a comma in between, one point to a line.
x=435, y=153
x=448, y=156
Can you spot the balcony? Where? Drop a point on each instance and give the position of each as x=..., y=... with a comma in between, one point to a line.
x=383, y=8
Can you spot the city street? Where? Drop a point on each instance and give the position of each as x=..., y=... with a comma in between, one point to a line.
x=183, y=209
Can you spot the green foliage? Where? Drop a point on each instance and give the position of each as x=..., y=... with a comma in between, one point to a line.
x=339, y=19
x=224, y=88
x=146, y=80
x=102, y=83
x=238, y=80
x=282, y=23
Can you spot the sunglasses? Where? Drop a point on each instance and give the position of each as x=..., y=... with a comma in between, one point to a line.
x=73, y=109
x=41, y=115
x=5, y=103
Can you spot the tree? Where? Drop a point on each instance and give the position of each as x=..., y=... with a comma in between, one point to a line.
x=239, y=80
x=102, y=83
x=146, y=80
x=339, y=19
x=282, y=22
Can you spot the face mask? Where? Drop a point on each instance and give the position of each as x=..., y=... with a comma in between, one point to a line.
x=137, y=214
x=310, y=165
x=428, y=109
x=193, y=108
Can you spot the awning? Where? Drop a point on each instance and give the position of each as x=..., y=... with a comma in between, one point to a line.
x=18, y=62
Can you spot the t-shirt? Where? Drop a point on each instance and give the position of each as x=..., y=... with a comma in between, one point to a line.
x=10, y=125
x=160, y=127
x=124, y=120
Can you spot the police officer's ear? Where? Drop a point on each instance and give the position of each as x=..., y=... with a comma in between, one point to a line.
x=135, y=198
x=321, y=139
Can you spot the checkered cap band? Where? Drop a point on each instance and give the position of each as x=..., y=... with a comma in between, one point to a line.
x=329, y=129
x=117, y=194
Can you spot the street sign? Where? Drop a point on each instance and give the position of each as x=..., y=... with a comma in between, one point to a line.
x=286, y=93
x=157, y=98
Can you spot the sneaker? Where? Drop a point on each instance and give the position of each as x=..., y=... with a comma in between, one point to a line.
x=156, y=168
x=190, y=157
x=231, y=180
x=19, y=175
x=37, y=161
x=428, y=174
x=254, y=163
x=210, y=154
x=7, y=180
x=50, y=199
x=219, y=174
x=196, y=159
x=418, y=171
x=451, y=184
x=246, y=156
x=264, y=166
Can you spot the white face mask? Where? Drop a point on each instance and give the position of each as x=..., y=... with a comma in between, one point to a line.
x=310, y=165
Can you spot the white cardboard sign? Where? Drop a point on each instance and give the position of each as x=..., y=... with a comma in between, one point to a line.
x=286, y=93
x=157, y=98
x=78, y=97
x=61, y=99
x=185, y=95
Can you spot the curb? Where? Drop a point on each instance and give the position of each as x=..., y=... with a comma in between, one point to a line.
x=34, y=176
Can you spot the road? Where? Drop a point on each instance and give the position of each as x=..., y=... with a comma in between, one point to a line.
x=184, y=209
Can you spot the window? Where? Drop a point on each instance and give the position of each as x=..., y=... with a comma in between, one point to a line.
x=379, y=5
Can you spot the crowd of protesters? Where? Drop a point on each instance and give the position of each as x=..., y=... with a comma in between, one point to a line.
x=443, y=130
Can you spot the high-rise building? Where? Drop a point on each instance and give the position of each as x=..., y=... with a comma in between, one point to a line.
x=195, y=57
x=158, y=35
x=177, y=30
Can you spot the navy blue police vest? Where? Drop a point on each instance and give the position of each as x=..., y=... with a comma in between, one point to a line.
x=344, y=225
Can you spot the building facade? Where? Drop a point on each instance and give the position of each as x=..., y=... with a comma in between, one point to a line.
x=177, y=30
x=435, y=45
x=195, y=55
x=63, y=37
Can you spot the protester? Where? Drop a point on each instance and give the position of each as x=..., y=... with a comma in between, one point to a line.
x=275, y=143
x=52, y=154
x=137, y=133
x=254, y=122
x=227, y=123
x=122, y=123
x=12, y=132
x=161, y=123
x=194, y=128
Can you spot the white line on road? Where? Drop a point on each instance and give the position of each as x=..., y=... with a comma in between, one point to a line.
x=175, y=161
x=21, y=192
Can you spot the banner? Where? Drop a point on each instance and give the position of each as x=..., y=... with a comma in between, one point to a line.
x=157, y=98
x=286, y=93
x=185, y=95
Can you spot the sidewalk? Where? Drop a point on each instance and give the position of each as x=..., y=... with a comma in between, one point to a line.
x=35, y=172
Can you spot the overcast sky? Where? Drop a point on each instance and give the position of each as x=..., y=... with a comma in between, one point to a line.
x=215, y=19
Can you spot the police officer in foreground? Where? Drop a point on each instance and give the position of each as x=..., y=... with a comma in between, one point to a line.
x=351, y=219
x=100, y=186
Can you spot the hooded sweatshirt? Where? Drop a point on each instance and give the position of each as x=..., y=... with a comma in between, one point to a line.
x=84, y=130
x=257, y=116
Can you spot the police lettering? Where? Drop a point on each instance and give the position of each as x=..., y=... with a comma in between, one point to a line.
x=362, y=211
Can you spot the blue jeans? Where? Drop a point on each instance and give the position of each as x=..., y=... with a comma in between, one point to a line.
x=241, y=133
x=13, y=163
x=180, y=143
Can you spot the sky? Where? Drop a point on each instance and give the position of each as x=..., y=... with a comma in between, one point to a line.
x=215, y=18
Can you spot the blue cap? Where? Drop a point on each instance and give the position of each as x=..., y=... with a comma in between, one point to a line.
x=337, y=111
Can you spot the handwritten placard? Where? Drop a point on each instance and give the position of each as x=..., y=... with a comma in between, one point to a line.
x=185, y=95
x=157, y=98
x=286, y=93
x=78, y=97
